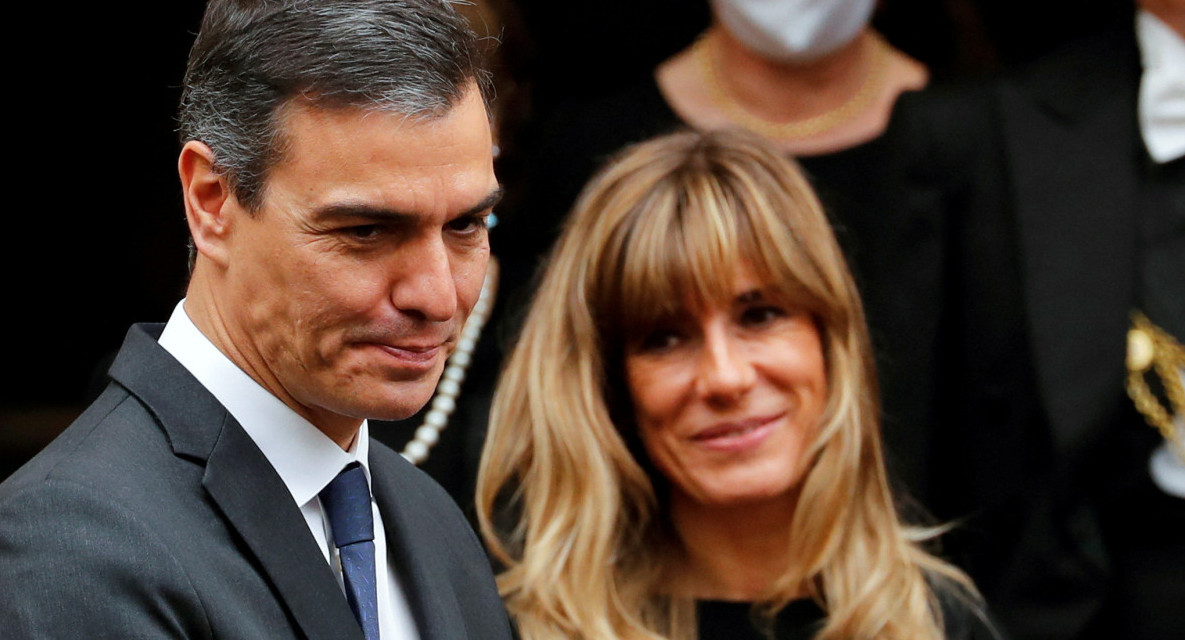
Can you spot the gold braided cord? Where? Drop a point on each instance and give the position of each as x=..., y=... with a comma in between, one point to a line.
x=706, y=54
x=1152, y=348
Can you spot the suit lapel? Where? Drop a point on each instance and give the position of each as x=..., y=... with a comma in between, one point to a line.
x=437, y=613
x=241, y=482
x=1071, y=142
x=257, y=504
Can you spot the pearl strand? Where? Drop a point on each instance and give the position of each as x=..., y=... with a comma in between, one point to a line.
x=444, y=402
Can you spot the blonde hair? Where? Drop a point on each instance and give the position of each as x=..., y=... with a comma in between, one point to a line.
x=586, y=541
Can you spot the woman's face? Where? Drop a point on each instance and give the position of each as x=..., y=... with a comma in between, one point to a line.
x=729, y=396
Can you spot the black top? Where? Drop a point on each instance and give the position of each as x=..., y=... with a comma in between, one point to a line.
x=801, y=619
x=730, y=620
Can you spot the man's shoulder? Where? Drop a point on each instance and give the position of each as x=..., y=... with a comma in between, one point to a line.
x=91, y=449
x=406, y=490
x=83, y=516
x=412, y=484
x=430, y=531
x=117, y=457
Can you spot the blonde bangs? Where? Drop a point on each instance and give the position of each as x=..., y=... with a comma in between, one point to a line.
x=685, y=242
x=682, y=248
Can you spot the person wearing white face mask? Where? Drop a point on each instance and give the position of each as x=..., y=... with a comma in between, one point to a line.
x=794, y=32
x=810, y=75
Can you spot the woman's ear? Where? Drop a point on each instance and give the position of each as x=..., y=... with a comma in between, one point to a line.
x=209, y=205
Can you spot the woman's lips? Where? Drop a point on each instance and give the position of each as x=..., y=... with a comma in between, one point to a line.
x=738, y=435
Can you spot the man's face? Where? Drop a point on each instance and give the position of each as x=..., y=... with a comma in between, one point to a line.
x=349, y=287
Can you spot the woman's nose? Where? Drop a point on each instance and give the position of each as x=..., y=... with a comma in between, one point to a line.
x=726, y=370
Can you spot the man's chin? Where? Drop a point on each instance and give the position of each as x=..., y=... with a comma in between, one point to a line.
x=392, y=415
x=378, y=395
x=398, y=406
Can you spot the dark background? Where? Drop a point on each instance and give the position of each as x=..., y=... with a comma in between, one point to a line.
x=96, y=234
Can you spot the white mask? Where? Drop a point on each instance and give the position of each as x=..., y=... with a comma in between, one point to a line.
x=794, y=30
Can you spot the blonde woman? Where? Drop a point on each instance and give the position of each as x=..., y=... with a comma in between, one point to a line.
x=684, y=443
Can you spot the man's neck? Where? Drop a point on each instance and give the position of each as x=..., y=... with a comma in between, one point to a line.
x=202, y=308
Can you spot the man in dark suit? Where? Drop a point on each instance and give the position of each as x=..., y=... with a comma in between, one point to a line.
x=336, y=174
x=1056, y=196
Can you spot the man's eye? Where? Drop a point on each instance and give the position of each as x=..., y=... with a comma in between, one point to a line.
x=364, y=232
x=468, y=224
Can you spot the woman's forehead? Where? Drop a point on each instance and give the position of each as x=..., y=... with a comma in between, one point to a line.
x=670, y=295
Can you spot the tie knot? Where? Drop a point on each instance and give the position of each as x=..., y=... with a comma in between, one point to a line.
x=347, y=504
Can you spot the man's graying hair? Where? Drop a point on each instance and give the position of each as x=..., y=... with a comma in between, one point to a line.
x=252, y=57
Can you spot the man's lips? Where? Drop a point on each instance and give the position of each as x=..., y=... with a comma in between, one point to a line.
x=412, y=353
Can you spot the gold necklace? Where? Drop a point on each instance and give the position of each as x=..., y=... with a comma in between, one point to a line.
x=1150, y=347
x=871, y=87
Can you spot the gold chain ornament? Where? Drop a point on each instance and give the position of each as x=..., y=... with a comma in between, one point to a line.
x=1151, y=348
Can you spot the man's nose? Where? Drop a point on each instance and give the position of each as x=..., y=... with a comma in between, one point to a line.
x=424, y=285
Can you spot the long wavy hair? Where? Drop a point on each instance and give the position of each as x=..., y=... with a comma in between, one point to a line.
x=567, y=500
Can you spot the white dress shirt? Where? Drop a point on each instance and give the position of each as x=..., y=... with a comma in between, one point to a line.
x=1162, y=87
x=304, y=457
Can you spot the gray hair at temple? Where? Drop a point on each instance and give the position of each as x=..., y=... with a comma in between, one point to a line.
x=251, y=58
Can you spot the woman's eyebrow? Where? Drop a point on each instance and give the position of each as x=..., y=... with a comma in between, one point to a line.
x=752, y=295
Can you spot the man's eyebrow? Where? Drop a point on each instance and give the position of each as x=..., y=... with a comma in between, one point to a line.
x=489, y=202
x=369, y=212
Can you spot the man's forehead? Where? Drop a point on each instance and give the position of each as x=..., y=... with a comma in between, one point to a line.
x=313, y=108
x=321, y=123
x=353, y=159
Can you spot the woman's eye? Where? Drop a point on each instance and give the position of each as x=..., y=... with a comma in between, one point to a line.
x=760, y=316
x=659, y=341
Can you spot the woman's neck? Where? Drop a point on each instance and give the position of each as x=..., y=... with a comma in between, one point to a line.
x=822, y=106
x=731, y=553
x=786, y=92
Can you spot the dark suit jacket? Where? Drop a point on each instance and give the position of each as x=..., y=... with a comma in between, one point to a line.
x=155, y=515
x=1029, y=187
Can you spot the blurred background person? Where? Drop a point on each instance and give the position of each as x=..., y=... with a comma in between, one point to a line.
x=813, y=78
x=1057, y=196
x=685, y=442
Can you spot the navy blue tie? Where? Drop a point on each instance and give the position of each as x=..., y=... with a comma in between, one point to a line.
x=347, y=504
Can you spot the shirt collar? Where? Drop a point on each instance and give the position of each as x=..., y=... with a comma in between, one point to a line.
x=1162, y=87
x=304, y=457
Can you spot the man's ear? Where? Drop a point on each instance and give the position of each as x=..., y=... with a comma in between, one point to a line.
x=210, y=208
